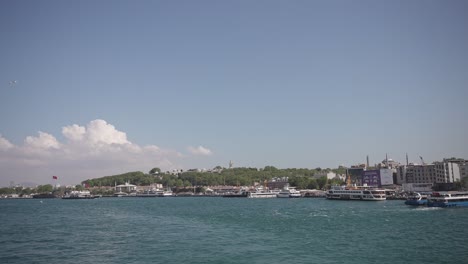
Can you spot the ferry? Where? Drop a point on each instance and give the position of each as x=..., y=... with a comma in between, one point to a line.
x=358, y=193
x=79, y=195
x=147, y=193
x=416, y=199
x=448, y=199
x=289, y=193
x=262, y=193
x=268, y=194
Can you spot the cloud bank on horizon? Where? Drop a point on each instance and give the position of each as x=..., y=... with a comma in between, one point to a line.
x=97, y=150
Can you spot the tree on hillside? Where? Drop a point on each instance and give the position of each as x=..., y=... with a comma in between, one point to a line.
x=155, y=171
x=44, y=188
x=270, y=168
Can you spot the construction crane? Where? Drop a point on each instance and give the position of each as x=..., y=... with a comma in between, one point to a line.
x=422, y=160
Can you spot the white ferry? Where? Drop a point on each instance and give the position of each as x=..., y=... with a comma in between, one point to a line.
x=289, y=193
x=448, y=199
x=359, y=193
x=79, y=195
x=262, y=193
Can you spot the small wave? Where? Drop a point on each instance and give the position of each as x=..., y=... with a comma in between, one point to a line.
x=318, y=215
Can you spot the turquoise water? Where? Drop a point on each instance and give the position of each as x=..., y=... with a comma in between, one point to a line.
x=222, y=230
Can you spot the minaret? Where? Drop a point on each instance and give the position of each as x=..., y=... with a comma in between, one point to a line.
x=230, y=164
x=367, y=161
x=407, y=159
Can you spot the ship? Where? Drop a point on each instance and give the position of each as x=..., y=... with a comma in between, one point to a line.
x=262, y=193
x=448, y=199
x=358, y=193
x=416, y=199
x=79, y=195
x=288, y=193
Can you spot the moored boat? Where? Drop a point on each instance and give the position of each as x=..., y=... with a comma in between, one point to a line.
x=358, y=193
x=120, y=194
x=43, y=196
x=448, y=199
x=79, y=195
x=241, y=194
x=166, y=193
x=147, y=193
x=289, y=193
x=262, y=193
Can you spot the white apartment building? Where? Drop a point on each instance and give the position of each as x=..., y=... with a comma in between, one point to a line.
x=448, y=171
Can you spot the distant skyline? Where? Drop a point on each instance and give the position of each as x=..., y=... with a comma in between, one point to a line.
x=95, y=88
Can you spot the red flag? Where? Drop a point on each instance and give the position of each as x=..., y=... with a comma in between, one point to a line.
x=54, y=177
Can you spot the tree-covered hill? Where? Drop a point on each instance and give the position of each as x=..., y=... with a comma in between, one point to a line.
x=301, y=178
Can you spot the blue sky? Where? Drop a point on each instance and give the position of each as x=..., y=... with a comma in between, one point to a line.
x=282, y=83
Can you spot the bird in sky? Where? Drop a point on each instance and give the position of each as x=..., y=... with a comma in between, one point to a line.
x=13, y=83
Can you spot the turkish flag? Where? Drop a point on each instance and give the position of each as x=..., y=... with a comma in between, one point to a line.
x=54, y=177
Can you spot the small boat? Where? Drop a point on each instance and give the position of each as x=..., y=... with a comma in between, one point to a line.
x=416, y=199
x=448, y=199
x=166, y=193
x=289, y=193
x=79, y=195
x=120, y=194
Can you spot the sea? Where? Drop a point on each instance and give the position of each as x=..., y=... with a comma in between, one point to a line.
x=229, y=230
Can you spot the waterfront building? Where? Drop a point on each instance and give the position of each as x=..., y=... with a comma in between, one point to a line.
x=277, y=183
x=354, y=174
x=464, y=170
x=417, y=187
x=451, y=170
x=446, y=171
x=125, y=188
x=416, y=173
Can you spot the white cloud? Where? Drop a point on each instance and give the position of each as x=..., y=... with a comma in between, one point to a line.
x=99, y=132
x=95, y=150
x=74, y=132
x=199, y=151
x=43, y=141
x=5, y=144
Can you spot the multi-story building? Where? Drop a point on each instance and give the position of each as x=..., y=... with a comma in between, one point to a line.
x=446, y=171
x=450, y=170
x=464, y=170
x=414, y=173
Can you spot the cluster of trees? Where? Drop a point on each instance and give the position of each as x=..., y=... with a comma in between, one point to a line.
x=28, y=191
x=301, y=178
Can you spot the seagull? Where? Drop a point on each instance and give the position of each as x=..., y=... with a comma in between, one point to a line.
x=13, y=83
